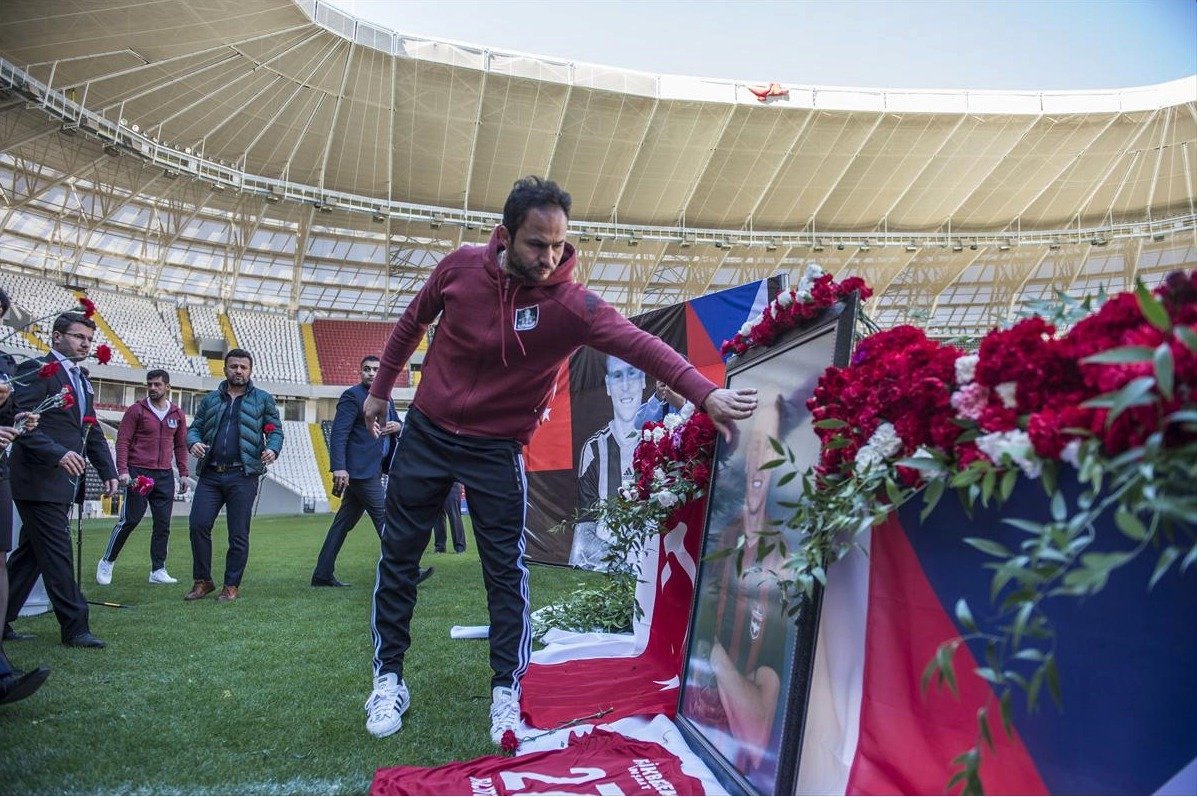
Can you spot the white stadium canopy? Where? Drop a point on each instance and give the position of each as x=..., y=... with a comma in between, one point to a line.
x=284, y=154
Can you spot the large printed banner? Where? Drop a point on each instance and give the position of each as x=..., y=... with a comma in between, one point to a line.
x=581, y=454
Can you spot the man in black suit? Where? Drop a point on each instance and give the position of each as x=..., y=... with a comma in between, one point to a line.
x=48, y=467
x=358, y=461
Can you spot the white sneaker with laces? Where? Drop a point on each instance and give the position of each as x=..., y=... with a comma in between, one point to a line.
x=504, y=713
x=160, y=576
x=387, y=703
x=104, y=572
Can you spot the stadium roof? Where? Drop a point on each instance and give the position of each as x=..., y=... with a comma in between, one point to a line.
x=953, y=203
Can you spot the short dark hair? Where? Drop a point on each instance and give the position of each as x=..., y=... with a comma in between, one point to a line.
x=5, y=303
x=242, y=353
x=65, y=321
x=368, y=358
x=532, y=192
x=157, y=373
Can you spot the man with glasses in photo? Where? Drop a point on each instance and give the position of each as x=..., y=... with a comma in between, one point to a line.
x=358, y=460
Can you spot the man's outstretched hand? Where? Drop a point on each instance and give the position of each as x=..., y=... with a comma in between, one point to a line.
x=725, y=406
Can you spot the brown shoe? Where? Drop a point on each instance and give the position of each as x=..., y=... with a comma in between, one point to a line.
x=199, y=589
x=229, y=594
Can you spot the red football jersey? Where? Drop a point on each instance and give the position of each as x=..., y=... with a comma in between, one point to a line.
x=599, y=763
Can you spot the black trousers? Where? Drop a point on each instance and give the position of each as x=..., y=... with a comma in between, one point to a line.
x=45, y=550
x=361, y=495
x=235, y=491
x=427, y=462
x=161, y=502
x=451, y=516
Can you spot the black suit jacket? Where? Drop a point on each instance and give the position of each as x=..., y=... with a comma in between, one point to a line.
x=35, y=455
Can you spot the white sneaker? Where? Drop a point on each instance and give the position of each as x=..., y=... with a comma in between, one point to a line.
x=160, y=576
x=388, y=701
x=504, y=713
x=104, y=572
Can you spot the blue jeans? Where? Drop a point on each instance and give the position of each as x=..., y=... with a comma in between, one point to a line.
x=235, y=491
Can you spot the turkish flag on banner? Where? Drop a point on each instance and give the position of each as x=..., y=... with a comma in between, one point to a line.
x=645, y=683
x=598, y=763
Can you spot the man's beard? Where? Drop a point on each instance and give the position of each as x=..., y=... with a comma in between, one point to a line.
x=522, y=270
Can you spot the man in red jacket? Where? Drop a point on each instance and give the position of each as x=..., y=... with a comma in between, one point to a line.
x=510, y=317
x=152, y=433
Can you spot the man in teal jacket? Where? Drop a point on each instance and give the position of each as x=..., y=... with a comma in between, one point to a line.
x=235, y=435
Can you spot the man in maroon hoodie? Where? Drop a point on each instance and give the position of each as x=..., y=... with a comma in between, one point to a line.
x=152, y=433
x=510, y=317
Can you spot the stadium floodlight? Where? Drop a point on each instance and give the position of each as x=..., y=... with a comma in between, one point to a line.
x=839, y=247
x=633, y=242
x=435, y=222
x=170, y=174
x=136, y=128
x=272, y=197
x=973, y=246
x=864, y=246
x=770, y=245
x=1159, y=236
x=1053, y=244
x=1004, y=246
x=583, y=238
x=1099, y=241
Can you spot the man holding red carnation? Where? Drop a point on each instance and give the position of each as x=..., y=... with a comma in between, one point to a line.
x=48, y=464
x=235, y=435
x=152, y=434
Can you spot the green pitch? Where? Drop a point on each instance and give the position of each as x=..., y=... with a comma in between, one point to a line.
x=261, y=696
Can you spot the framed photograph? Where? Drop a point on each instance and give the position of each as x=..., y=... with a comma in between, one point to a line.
x=748, y=661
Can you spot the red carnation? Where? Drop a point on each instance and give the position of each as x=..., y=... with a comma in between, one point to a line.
x=510, y=743
x=89, y=419
x=49, y=369
x=103, y=353
x=268, y=428
x=68, y=400
x=142, y=485
x=89, y=307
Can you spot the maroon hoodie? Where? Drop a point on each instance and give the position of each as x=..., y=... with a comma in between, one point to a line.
x=501, y=342
x=143, y=441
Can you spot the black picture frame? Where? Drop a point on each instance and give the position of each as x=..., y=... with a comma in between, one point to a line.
x=747, y=670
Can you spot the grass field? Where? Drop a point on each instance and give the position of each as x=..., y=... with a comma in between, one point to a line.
x=262, y=696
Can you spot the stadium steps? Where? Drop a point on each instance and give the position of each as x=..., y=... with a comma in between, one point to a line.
x=189, y=346
x=310, y=354
x=216, y=367
x=116, y=341
x=34, y=341
x=323, y=464
x=226, y=326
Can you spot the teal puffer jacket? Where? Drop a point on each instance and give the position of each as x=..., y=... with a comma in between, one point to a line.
x=258, y=411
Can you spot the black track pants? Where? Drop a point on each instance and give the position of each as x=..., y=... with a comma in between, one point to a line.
x=427, y=462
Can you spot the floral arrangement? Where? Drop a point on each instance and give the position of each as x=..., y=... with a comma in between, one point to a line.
x=816, y=292
x=1114, y=397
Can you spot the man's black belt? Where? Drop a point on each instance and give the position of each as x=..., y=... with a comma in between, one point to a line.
x=225, y=468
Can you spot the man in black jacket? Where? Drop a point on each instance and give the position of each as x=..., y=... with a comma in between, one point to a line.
x=14, y=684
x=358, y=461
x=48, y=467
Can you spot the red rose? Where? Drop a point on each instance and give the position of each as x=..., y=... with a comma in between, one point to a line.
x=509, y=743
x=268, y=428
x=89, y=419
x=89, y=307
x=49, y=369
x=103, y=353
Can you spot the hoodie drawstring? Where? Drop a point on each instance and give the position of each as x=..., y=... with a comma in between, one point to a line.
x=507, y=312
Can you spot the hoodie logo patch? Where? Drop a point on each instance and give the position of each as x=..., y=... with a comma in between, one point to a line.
x=526, y=318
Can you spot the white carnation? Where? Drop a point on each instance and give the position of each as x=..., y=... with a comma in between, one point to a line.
x=646, y=435
x=658, y=434
x=746, y=329
x=885, y=439
x=966, y=368
x=785, y=298
x=665, y=498
x=1006, y=391
x=1016, y=445
x=672, y=421
x=812, y=273
x=867, y=458
x=1071, y=453
x=659, y=475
